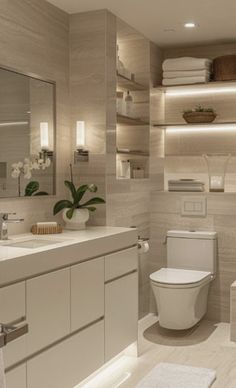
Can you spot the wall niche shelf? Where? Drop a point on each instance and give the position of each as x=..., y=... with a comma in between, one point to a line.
x=132, y=123
x=134, y=153
x=126, y=83
x=125, y=120
x=133, y=179
x=184, y=124
x=200, y=85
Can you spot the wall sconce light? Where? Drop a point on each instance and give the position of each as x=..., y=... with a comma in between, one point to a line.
x=81, y=154
x=45, y=153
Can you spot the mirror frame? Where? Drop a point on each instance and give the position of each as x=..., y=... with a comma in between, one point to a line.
x=53, y=83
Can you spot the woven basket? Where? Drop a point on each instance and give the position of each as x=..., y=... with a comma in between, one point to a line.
x=46, y=229
x=224, y=68
x=199, y=117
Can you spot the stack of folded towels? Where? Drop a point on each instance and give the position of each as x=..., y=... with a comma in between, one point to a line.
x=186, y=70
x=185, y=185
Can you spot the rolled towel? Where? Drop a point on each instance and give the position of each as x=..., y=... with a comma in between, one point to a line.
x=184, y=81
x=186, y=73
x=46, y=223
x=186, y=63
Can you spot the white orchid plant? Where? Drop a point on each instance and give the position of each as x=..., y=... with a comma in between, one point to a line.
x=24, y=169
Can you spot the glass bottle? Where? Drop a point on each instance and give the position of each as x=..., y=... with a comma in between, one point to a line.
x=128, y=104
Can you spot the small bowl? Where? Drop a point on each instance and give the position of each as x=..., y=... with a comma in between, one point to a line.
x=199, y=117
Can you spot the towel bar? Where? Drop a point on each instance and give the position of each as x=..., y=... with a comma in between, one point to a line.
x=10, y=332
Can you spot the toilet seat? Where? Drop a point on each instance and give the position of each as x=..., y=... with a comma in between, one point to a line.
x=180, y=278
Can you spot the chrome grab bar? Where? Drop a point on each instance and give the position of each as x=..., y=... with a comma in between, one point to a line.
x=11, y=331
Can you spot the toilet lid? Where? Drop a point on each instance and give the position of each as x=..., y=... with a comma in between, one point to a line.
x=179, y=276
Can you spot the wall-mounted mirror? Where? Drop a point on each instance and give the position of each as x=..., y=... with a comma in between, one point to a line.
x=27, y=135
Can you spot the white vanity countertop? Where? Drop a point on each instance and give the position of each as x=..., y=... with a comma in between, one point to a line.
x=69, y=248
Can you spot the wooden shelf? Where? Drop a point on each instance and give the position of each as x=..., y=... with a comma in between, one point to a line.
x=126, y=83
x=125, y=120
x=135, y=153
x=194, y=124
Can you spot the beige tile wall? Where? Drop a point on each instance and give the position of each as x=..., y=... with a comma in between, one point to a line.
x=34, y=38
x=221, y=218
x=221, y=208
x=89, y=100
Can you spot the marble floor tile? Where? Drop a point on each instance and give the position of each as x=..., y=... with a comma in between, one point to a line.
x=207, y=345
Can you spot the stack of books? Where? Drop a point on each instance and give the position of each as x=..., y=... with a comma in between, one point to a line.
x=185, y=185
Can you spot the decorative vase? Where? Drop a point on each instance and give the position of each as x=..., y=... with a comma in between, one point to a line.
x=217, y=165
x=78, y=220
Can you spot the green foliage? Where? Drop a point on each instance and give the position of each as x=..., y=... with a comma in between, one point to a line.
x=199, y=108
x=32, y=189
x=77, y=195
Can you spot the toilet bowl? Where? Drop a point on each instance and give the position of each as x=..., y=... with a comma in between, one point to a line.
x=181, y=289
x=181, y=296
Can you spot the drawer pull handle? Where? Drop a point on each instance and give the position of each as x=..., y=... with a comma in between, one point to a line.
x=11, y=332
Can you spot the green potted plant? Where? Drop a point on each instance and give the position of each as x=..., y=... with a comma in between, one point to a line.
x=199, y=115
x=75, y=213
x=32, y=189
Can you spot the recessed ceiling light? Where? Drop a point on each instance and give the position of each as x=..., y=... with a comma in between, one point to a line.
x=189, y=25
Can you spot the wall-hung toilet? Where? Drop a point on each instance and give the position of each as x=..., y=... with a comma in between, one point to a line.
x=181, y=289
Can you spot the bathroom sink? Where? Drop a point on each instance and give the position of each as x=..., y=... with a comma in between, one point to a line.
x=33, y=244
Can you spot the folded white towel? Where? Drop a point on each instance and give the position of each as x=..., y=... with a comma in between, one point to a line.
x=186, y=73
x=186, y=63
x=184, y=81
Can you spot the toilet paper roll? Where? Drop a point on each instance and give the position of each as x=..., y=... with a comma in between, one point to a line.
x=143, y=246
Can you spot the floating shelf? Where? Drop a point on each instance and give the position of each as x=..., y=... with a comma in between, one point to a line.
x=125, y=120
x=211, y=83
x=126, y=83
x=135, y=153
x=133, y=179
x=195, y=124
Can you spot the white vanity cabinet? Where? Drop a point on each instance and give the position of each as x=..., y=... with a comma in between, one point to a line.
x=12, y=308
x=16, y=378
x=48, y=309
x=87, y=293
x=121, y=301
x=80, y=314
x=66, y=364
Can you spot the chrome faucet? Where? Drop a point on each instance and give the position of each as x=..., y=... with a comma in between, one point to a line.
x=4, y=221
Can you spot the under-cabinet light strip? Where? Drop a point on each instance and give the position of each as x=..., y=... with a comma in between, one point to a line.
x=199, y=91
x=200, y=128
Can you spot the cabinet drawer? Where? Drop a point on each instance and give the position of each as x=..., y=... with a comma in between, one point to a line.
x=48, y=309
x=121, y=314
x=16, y=378
x=12, y=307
x=120, y=263
x=87, y=293
x=66, y=364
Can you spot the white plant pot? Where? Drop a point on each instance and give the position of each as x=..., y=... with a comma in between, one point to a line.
x=78, y=220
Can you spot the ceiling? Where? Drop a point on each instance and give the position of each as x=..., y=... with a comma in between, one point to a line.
x=162, y=20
